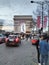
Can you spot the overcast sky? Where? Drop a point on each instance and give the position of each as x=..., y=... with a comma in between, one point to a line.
x=8, y=8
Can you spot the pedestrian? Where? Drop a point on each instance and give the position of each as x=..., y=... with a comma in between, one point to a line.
x=26, y=37
x=44, y=48
x=35, y=41
x=30, y=36
x=38, y=53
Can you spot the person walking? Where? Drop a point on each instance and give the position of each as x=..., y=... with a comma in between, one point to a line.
x=44, y=48
x=38, y=53
x=35, y=41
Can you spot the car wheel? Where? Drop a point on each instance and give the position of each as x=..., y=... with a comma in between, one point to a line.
x=7, y=44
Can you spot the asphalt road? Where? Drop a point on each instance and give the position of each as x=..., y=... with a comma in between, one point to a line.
x=25, y=54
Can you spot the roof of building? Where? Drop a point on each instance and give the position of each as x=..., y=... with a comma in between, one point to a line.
x=16, y=17
x=24, y=17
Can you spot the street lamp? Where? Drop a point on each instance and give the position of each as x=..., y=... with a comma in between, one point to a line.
x=41, y=3
x=47, y=2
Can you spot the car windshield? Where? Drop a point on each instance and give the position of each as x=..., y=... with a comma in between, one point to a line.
x=1, y=35
x=12, y=36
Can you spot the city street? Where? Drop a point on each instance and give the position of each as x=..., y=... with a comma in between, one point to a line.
x=20, y=20
x=25, y=54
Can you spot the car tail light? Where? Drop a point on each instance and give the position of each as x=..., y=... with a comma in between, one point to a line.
x=34, y=41
x=17, y=39
x=6, y=39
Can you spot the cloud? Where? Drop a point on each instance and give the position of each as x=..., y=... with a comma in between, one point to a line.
x=9, y=8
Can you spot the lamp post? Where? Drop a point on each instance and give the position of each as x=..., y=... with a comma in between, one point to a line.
x=48, y=18
x=41, y=3
x=47, y=2
x=38, y=54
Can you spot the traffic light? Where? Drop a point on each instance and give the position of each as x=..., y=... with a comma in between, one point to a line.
x=41, y=28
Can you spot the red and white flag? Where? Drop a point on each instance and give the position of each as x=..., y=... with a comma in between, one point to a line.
x=45, y=22
x=38, y=21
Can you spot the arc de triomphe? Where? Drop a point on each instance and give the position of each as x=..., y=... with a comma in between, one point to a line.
x=23, y=23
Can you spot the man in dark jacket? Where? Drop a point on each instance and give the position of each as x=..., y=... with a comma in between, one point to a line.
x=38, y=53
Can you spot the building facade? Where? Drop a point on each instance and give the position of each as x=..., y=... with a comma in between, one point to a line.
x=1, y=24
x=23, y=23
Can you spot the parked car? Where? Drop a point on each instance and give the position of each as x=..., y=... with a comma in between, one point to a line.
x=2, y=38
x=12, y=40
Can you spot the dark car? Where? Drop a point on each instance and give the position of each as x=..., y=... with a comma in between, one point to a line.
x=2, y=38
x=13, y=40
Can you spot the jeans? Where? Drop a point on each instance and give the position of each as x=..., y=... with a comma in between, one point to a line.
x=44, y=59
x=38, y=54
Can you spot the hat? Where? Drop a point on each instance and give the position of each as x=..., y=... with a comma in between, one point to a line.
x=44, y=35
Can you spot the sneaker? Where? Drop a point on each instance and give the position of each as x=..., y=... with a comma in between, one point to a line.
x=39, y=63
